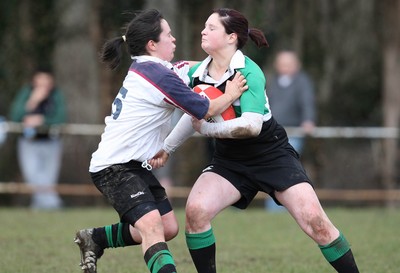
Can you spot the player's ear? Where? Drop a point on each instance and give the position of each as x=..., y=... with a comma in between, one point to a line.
x=232, y=38
x=151, y=46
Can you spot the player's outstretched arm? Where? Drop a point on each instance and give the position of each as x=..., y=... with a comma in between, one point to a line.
x=181, y=132
x=248, y=125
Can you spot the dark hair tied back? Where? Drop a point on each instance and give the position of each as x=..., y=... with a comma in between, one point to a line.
x=235, y=22
x=145, y=26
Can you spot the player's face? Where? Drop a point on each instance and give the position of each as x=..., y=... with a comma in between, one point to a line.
x=213, y=36
x=165, y=47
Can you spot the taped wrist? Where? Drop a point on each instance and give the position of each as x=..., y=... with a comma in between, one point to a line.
x=248, y=125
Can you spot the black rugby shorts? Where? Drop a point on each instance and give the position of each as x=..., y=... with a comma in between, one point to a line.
x=132, y=190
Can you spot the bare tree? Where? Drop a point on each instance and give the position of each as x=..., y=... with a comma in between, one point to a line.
x=77, y=70
x=76, y=60
x=390, y=11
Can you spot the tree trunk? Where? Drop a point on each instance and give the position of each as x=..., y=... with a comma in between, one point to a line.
x=391, y=85
x=76, y=61
x=77, y=72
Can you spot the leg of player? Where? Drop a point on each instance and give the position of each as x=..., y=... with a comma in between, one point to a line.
x=156, y=253
x=210, y=194
x=123, y=234
x=117, y=235
x=302, y=203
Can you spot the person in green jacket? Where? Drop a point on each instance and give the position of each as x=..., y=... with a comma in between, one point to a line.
x=40, y=107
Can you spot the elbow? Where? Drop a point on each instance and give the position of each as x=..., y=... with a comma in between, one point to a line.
x=254, y=131
x=246, y=132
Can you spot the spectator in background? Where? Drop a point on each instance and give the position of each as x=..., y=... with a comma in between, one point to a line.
x=291, y=96
x=39, y=107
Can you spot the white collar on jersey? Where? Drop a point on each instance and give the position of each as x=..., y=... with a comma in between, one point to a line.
x=237, y=61
x=147, y=58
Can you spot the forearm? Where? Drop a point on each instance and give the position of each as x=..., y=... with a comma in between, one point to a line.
x=219, y=105
x=181, y=132
x=248, y=125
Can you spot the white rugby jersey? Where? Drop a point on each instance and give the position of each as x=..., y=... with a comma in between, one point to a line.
x=141, y=113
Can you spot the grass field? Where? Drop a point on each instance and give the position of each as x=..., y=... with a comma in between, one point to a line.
x=247, y=241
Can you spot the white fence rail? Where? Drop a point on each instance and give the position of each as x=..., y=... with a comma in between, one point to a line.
x=320, y=132
x=182, y=192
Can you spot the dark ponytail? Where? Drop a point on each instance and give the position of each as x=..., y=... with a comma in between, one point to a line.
x=112, y=52
x=235, y=22
x=145, y=26
x=258, y=37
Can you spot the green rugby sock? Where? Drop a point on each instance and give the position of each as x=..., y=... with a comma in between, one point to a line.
x=117, y=235
x=339, y=255
x=159, y=259
x=202, y=250
x=336, y=249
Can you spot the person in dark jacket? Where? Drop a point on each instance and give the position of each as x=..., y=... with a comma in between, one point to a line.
x=291, y=96
x=40, y=106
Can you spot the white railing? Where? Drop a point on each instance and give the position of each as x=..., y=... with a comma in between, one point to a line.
x=319, y=132
x=182, y=192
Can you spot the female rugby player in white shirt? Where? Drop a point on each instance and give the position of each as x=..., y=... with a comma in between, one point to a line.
x=134, y=132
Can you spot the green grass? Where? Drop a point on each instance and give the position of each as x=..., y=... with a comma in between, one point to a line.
x=247, y=241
